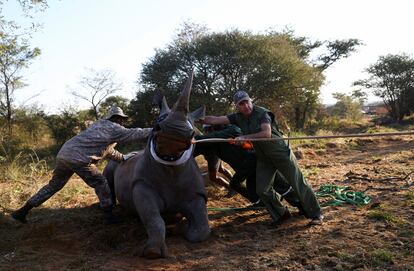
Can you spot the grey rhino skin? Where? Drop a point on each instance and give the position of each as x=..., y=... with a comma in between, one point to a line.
x=151, y=188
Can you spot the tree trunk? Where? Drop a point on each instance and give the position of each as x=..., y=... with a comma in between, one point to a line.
x=9, y=112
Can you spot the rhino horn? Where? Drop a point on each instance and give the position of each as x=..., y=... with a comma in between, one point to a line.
x=182, y=103
x=197, y=114
x=161, y=102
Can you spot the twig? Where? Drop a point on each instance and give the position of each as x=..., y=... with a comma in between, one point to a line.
x=354, y=176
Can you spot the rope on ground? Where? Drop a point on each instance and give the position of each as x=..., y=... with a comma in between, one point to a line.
x=341, y=194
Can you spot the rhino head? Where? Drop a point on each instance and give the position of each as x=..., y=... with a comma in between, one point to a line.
x=174, y=128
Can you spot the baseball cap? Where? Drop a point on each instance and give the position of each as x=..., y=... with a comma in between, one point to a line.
x=240, y=96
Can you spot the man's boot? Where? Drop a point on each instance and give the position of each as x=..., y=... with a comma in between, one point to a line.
x=21, y=213
x=286, y=215
x=110, y=218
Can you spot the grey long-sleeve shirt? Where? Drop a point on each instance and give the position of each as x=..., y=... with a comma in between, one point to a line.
x=95, y=140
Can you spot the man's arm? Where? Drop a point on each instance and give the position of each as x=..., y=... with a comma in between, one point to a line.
x=266, y=132
x=214, y=120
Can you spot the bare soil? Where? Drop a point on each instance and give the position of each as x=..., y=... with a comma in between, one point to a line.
x=379, y=236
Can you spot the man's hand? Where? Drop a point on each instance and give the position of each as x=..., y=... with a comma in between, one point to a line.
x=242, y=139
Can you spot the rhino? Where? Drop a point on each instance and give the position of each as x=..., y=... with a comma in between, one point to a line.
x=164, y=178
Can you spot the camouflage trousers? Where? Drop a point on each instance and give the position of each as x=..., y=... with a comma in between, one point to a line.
x=61, y=175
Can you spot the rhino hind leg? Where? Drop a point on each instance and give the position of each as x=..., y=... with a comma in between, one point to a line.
x=197, y=228
x=147, y=204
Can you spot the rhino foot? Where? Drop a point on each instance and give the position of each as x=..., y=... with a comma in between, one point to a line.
x=197, y=235
x=155, y=252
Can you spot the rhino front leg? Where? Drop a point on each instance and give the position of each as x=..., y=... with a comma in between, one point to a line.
x=196, y=213
x=148, y=205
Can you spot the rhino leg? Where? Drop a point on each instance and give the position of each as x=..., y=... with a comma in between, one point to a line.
x=196, y=213
x=148, y=204
x=109, y=172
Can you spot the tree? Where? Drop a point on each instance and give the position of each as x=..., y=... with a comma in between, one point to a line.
x=392, y=79
x=64, y=126
x=15, y=55
x=337, y=49
x=95, y=87
x=349, y=107
x=30, y=124
x=273, y=67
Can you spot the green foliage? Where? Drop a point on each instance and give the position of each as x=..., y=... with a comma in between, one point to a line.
x=380, y=257
x=119, y=101
x=273, y=68
x=140, y=110
x=385, y=216
x=30, y=126
x=392, y=79
x=337, y=49
x=347, y=107
x=380, y=129
x=15, y=55
x=64, y=126
x=337, y=124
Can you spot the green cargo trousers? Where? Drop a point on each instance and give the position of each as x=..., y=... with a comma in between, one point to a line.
x=284, y=162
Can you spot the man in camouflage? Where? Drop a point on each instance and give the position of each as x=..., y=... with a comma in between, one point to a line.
x=80, y=154
x=272, y=157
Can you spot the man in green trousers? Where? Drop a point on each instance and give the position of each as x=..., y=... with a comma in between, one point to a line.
x=272, y=157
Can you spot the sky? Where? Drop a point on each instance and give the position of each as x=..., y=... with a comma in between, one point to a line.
x=122, y=35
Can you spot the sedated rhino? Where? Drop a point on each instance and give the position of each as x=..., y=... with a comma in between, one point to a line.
x=164, y=178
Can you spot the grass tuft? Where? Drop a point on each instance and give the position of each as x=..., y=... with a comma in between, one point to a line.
x=380, y=257
x=385, y=216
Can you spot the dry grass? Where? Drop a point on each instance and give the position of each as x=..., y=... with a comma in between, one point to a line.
x=67, y=233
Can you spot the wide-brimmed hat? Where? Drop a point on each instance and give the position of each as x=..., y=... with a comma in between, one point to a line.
x=115, y=111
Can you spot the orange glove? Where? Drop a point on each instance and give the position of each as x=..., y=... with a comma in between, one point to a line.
x=247, y=145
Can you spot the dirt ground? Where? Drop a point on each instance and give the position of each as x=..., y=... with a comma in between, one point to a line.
x=379, y=236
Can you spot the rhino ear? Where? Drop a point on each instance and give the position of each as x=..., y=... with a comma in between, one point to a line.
x=161, y=102
x=182, y=103
x=197, y=114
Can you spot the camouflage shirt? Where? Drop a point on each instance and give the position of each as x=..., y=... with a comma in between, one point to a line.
x=97, y=141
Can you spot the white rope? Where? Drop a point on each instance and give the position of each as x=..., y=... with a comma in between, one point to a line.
x=302, y=137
